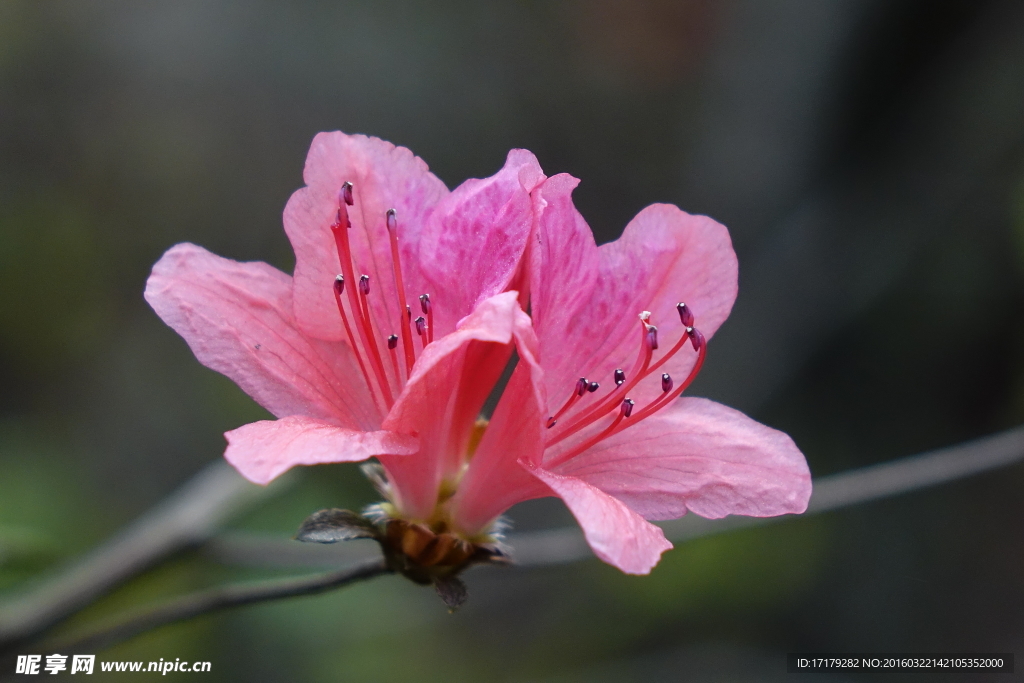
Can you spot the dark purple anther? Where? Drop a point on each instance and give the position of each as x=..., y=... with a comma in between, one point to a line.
x=421, y=325
x=696, y=338
x=345, y=194
x=627, y=407
x=593, y=386
x=392, y=220
x=620, y=377
x=408, y=312
x=339, y=285
x=685, y=314
x=652, y=337
x=364, y=284
x=551, y=422
x=581, y=386
x=392, y=341
x=425, y=303
x=666, y=382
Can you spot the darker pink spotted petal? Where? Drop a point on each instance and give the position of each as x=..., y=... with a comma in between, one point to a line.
x=442, y=400
x=237, y=319
x=586, y=299
x=473, y=244
x=384, y=177
x=700, y=456
x=616, y=534
x=261, y=451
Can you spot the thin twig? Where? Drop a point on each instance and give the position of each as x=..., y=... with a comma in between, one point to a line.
x=187, y=518
x=214, y=600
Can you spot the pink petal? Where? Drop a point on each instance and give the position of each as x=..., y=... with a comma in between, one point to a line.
x=384, y=177
x=261, y=451
x=472, y=247
x=495, y=481
x=586, y=299
x=701, y=456
x=442, y=399
x=616, y=534
x=237, y=319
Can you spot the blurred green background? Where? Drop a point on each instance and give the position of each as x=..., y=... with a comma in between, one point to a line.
x=867, y=155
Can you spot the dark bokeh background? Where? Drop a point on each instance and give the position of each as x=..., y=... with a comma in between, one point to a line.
x=867, y=155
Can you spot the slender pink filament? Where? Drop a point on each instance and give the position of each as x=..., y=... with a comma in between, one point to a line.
x=378, y=365
x=576, y=395
x=394, y=365
x=592, y=441
x=407, y=344
x=355, y=351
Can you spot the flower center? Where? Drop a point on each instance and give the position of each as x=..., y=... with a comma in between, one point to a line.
x=373, y=345
x=616, y=409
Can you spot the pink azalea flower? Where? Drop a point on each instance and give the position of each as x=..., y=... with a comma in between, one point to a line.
x=590, y=414
x=405, y=306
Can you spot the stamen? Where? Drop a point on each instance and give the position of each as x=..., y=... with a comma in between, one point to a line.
x=582, y=387
x=627, y=407
x=593, y=386
x=696, y=338
x=421, y=329
x=392, y=351
x=620, y=377
x=428, y=310
x=666, y=382
x=652, y=337
x=378, y=365
x=396, y=265
x=685, y=314
x=345, y=194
